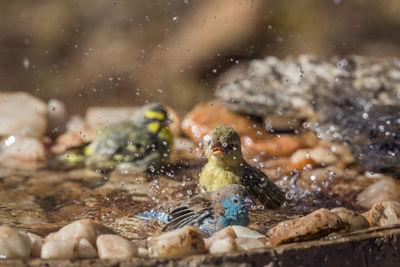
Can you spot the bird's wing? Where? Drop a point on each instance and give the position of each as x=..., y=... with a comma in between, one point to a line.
x=189, y=214
x=259, y=185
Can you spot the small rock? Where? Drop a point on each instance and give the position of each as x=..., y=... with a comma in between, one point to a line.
x=384, y=214
x=316, y=224
x=182, y=242
x=224, y=245
x=221, y=234
x=36, y=245
x=56, y=117
x=85, y=250
x=352, y=220
x=143, y=252
x=175, y=125
x=115, y=247
x=204, y=117
x=244, y=232
x=77, y=230
x=322, y=155
x=343, y=152
x=22, y=115
x=387, y=189
x=256, y=142
x=77, y=134
x=99, y=117
x=300, y=159
x=21, y=149
x=62, y=249
x=247, y=244
x=14, y=244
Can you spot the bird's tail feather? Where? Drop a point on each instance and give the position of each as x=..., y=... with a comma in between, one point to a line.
x=148, y=215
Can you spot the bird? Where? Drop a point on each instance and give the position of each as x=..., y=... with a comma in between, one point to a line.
x=209, y=211
x=226, y=166
x=138, y=144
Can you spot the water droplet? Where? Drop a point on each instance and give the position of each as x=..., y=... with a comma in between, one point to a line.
x=26, y=63
x=175, y=19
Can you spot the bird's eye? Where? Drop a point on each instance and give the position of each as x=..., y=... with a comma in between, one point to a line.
x=235, y=201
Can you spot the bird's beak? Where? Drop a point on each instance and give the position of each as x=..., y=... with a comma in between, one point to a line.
x=248, y=202
x=217, y=150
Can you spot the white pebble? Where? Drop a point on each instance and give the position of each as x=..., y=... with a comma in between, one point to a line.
x=14, y=244
x=115, y=247
x=179, y=243
x=36, y=245
x=224, y=245
x=63, y=249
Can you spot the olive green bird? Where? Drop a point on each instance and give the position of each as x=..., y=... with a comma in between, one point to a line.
x=141, y=143
x=226, y=166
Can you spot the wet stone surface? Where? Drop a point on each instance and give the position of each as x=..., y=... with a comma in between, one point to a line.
x=353, y=100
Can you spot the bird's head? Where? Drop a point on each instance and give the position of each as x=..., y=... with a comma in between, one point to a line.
x=235, y=202
x=225, y=146
x=153, y=116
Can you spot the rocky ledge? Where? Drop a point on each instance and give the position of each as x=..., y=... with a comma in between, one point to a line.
x=354, y=100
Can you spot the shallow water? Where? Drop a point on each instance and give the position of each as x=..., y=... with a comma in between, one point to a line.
x=41, y=201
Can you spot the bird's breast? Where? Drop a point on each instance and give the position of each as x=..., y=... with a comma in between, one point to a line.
x=214, y=177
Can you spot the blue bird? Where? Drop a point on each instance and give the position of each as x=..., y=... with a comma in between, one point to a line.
x=210, y=211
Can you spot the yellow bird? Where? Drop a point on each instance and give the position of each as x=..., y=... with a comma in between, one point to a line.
x=227, y=166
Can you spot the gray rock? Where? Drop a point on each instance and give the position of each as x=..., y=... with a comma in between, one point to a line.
x=355, y=100
x=387, y=189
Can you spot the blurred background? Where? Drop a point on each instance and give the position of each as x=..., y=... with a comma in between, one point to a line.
x=117, y=53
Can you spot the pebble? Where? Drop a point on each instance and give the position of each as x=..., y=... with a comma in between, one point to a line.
x=316, y=224
x=115, y=247
x=387, y=189
x=323, y=155
x=99, y=117
x=14, y=244
x=85, y=250
x=247, y=244
x=36, y=245
x=204, y=117
x=21, y=149
x=22, y=115
x=226, y=232
x=244, y=232
x=78, y=230
x=77, y=134
x=224, y=245
x=384, y=214
x=351, y=219
x=179, y=243
x=176, y=122
x=300, y=159
x=62, y=249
